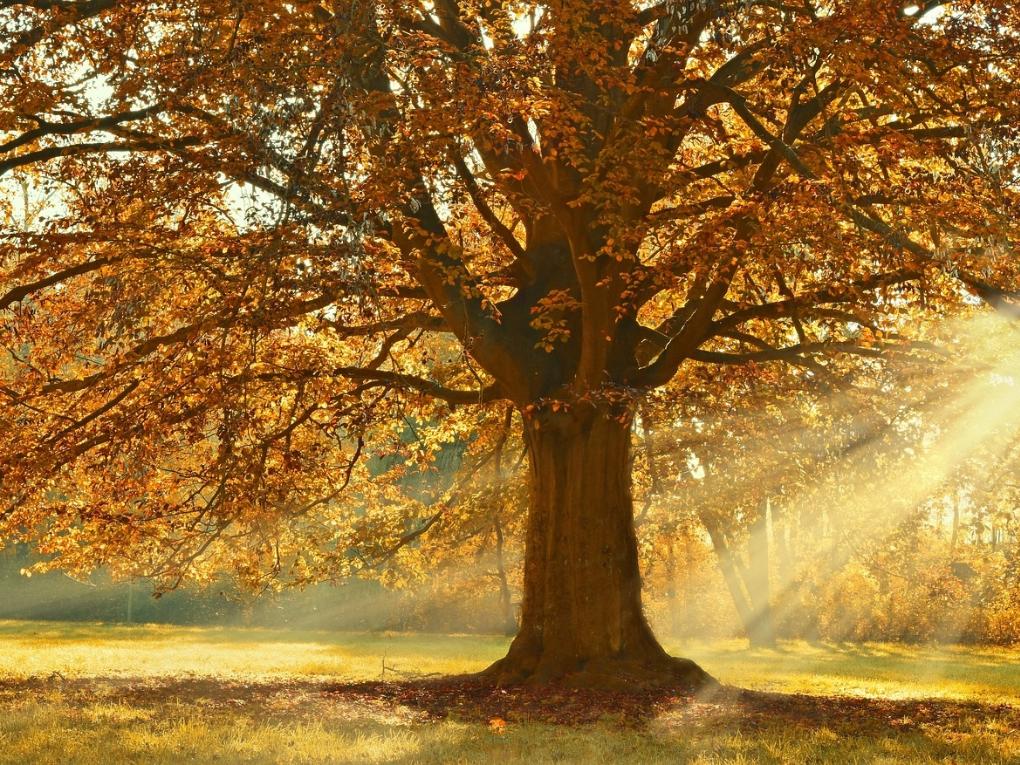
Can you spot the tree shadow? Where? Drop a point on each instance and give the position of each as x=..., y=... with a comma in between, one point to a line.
x=469, y=700
x=151, y=691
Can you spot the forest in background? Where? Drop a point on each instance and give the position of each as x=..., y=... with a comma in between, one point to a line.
x=949, y=572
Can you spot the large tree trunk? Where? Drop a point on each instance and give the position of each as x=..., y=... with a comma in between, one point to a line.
x=581, y=617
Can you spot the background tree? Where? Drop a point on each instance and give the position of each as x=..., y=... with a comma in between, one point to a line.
x=870, y=495
x=277, y=227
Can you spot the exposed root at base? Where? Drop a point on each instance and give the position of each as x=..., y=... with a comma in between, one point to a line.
x=617, y=673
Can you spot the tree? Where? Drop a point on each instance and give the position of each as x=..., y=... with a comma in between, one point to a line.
x=737, y=451
x=277, y=226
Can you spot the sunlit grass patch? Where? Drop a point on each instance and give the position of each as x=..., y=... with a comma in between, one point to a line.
x=78, y=650
x=871, y=669
x=91, y=694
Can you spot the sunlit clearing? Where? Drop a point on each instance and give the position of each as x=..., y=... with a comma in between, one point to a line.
x=883, y=515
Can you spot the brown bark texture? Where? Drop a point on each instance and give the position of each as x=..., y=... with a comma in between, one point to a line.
x=582, y=622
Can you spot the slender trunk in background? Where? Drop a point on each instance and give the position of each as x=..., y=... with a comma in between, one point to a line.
x=688, y=577
x=761, y=631
x=750, y=596
x=505, y=599
x=655, y=484
x=956, y=527
x=781, y=536
x=785, y=588
x=728, y=567
x=672, y=596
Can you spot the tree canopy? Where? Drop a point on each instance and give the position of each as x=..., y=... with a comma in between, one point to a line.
x=255, y=241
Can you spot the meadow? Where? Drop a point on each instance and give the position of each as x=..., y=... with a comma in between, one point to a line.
x=98, y=693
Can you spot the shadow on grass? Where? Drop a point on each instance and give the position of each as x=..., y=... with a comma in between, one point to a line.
x=739, y=708
x=467, y=700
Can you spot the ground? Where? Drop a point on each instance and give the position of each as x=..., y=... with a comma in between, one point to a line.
x=91, y=693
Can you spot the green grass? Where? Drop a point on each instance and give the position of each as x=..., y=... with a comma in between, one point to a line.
x=89, y=650
x=874, y=670
x=92, y=693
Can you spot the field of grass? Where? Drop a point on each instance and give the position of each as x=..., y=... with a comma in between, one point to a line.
x=92, y=693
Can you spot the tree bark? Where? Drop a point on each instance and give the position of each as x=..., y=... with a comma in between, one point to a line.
x=582, y=622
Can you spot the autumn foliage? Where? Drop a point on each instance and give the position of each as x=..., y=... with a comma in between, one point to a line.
x=267, y=260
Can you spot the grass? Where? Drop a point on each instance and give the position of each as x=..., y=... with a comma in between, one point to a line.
x=873, y=670
x=79, y=649
x=94, y=693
